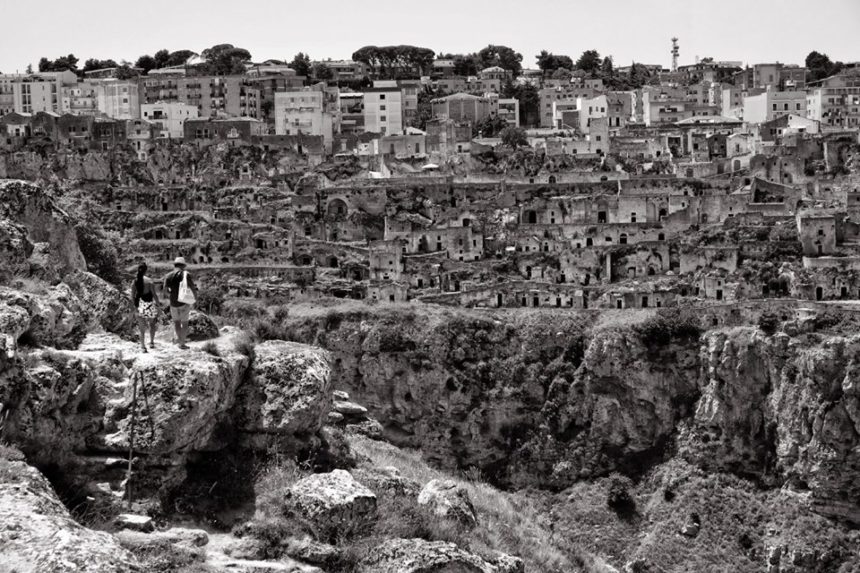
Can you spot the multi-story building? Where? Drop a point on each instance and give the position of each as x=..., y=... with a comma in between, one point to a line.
x=220, y=96
x=468, y=84
x=345, y=70
x=465, y=107
x=776, y=75
x=772, y=104
x=168, y=117
x=836, y=101
x=32, y=93
x=509, y=110
x=118, y=99
x=383, y=110
x=309, y=111
x=569, y=95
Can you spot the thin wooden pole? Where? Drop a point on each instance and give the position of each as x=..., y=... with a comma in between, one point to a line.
x=131, y=440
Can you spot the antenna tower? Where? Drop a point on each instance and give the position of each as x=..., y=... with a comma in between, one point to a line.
x=675, y=51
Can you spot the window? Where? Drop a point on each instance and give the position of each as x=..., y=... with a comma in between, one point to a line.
x=383, y=118
x=382, y=108
x=381, y=97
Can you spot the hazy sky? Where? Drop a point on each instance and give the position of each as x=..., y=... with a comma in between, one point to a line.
x=746, y=30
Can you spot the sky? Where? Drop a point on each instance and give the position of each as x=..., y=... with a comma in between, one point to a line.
x=745, y=30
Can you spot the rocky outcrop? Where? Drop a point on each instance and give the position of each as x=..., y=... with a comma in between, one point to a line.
x=201, y=327
x=782, y=409
x=444, y=498
x=73, y=409
x=290, y=392
x=37, y=534
x=333, y=503
x=29, y=207
x=420, y=556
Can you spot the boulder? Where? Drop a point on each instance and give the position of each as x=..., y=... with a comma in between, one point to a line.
x=370, y=428
x=349, y=409
x=142, y=523
x=56, y=315
x=106, y=306
x=37, y=533
x=420, y=556
x=201, y=327
x=387, y=481
x=334, y=503
x=289, y=392
x=313, y=552
x=29, y=207
x=189, y=538
x=447, y=499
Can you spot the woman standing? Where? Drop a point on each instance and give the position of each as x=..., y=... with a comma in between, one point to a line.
x=147, y=304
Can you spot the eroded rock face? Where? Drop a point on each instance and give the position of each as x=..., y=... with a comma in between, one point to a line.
x=38, y=535
x=420, y=556
x=445, y=498
x=73, y=409
x=333, y=502
x=27, y=205
x=290, y=393
x=787, y=409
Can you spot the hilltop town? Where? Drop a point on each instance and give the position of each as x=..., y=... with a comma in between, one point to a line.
x=454, y=314
x=368, y=179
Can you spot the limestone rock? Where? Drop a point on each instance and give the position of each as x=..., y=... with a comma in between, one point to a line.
x=290, y=390
x=189, y=538
x=142, y=523
x=30, y=207
x=38, y=534
x=420, y=556
x=313, y=552
x=201, y=327
x=387, y=481
x=334, y=502
x=370, y=428
x=349, y=409
x=447, y=499
x=15, y=250
x=105, y=305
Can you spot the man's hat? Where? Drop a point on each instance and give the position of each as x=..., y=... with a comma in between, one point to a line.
x=179, y=261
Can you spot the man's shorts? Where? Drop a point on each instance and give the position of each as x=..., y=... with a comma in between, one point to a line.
x=180, y=313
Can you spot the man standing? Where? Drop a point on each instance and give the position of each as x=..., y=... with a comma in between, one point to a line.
x=179, y=310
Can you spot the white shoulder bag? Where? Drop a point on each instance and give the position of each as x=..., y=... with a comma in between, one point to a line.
x=186, y=295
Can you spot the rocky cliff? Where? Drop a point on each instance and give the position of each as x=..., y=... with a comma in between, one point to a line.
x=544, y=399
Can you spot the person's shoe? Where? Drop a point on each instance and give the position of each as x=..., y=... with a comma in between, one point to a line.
x=183, y=346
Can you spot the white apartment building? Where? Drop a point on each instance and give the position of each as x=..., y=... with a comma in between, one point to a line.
x=168, y=117
x=773, y=104
x=383, y=110
x=309, y=111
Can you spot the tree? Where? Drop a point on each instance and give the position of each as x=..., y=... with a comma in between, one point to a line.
x=514, y=136
x=589, y=62
x=562, y=74
x=146, y=63
x=61, y=64
x=490, y=127
x=29, y=68
x=503, y=57
x=820, y=66
x=95, y=64
x=606, y=68
x=224, y=59
x=549, y=63
x=301, y=64
x=393, y=62
x=465, y=65
x=322, y=72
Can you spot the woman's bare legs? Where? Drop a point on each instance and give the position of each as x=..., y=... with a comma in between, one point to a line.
x=141, y=326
